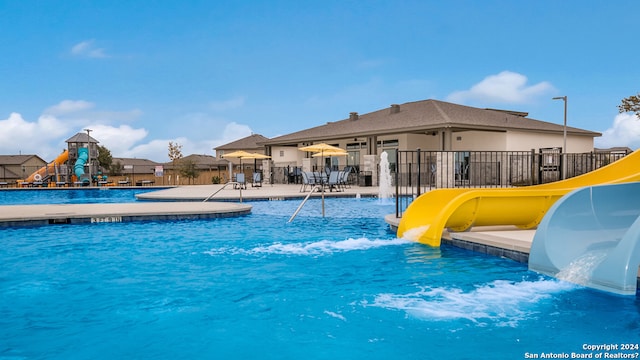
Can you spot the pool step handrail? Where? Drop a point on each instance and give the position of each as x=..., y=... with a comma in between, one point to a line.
x=315, y=187
x=222, y=188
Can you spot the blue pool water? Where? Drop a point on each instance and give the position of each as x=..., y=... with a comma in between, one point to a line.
x=257, y=287
x=69, y=196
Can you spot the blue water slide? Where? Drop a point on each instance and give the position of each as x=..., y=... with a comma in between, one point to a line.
x=78, y=167
x=592, y=232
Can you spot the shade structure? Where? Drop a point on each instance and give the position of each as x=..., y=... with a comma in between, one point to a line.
x=323, y=149
x=330, y=153
x=241, y=154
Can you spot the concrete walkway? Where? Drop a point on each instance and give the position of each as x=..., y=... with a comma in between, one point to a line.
x=265, y=192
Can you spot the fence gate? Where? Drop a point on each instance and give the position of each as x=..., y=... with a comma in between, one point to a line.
x=550, y=161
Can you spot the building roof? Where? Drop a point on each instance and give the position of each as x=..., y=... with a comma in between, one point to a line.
x=251, y=142
x=204, y=161
x=139, y=166
x=81, y=138
x=17, y=159
x=423, y=116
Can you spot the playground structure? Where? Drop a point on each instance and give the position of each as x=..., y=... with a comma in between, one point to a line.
x=76, y=165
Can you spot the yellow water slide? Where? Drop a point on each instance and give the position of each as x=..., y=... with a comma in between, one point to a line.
x=49, y=169
x=460, y=209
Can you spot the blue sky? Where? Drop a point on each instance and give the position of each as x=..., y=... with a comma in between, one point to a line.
x=204, y=73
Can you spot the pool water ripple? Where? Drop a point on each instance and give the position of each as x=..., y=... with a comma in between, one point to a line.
x=257, y=287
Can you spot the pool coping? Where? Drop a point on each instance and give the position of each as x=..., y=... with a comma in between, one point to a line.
x=53, y=214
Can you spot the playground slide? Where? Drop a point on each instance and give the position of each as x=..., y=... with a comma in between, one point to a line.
x=48, y=169
x=460, y=209
x=592, y=237
x=78, y=167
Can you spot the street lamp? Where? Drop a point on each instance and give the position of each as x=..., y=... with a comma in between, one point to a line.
x=564, y=136
x=89, y=154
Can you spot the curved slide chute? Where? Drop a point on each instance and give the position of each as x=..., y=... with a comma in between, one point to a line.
x=78, y=167
x=50, y=168
x=460, y=209
x=592, y=237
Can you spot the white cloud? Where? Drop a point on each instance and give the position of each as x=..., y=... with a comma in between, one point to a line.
x=505, y=87
x=233, y=103
x=41, y=137
x=87, y=48
x=69, y=106
x=46, y=136
x=118, y=140
x=157, y=149
x=625, y=131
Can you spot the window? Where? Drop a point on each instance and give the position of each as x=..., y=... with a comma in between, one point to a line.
x=281, y=153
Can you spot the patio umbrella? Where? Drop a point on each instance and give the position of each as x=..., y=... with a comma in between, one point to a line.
x=322, y=148
x=330, y=153
x=241, y=154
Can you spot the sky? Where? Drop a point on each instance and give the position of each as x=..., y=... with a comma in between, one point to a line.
x=142, y=73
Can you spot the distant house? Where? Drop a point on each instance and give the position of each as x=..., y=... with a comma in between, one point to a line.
x=430, y=125
x=252, y=143
x=129, y=171
x=209, y=168
x=16, y=167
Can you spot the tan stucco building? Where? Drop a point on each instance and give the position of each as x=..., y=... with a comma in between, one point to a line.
x=430, y=125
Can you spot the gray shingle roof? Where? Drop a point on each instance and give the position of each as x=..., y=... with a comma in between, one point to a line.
x=81, y=138
x=420, y=116
x=204, y=161
x=248, y=143
x=17, y=159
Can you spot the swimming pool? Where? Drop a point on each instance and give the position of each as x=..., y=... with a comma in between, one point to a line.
x=94, y=195
x=257, y=287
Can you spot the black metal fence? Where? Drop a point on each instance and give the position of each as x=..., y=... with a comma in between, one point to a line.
x=420, y=171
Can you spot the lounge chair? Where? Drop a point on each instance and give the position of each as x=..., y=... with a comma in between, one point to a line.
x=334, y=181
x=257, y=180
x=344, y=177
x=308, y=179
x=240, y=182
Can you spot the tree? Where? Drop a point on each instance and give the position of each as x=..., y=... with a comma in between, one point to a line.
x=188, y=169
x=104, y=157
x=630, y=104
x=175, y=154
x=116, y=169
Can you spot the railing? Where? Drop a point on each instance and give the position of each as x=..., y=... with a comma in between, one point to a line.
x=316, y=187
x=420, y=171
x=222, y=188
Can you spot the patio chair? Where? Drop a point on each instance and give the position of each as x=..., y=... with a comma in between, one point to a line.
x=257, y=180
x=344, y=177
x=334, y=181
x=308, y=179
x=240, y=182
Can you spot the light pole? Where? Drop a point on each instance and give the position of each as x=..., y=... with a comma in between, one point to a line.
x=89, y=154
x=564, y=136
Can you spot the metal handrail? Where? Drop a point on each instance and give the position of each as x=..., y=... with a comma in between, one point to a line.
x=222, y=188
x=315, y=187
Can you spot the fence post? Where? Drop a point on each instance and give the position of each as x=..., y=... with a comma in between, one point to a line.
x=398, y=167
x=419, y=184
